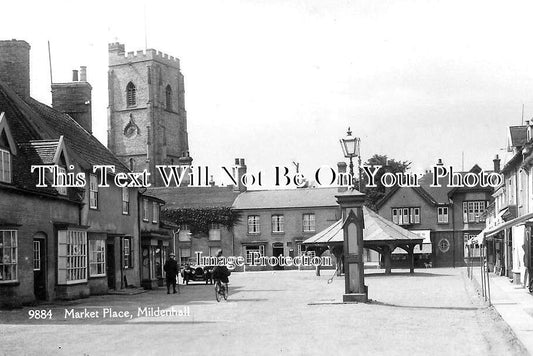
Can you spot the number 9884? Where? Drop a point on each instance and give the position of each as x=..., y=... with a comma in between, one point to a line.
x=40, y=314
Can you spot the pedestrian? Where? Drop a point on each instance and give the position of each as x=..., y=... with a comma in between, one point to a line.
x=171, y=270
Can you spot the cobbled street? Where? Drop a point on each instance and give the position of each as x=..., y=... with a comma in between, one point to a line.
x=434, y=311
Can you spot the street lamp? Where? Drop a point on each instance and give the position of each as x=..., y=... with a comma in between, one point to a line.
x=351, y=148
x=351, y=203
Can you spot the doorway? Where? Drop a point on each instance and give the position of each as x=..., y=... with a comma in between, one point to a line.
x=39, y=266
x=277, y=251
x=110, y=265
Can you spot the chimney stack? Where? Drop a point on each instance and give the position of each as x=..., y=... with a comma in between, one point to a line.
x=496, y=161
x=83, y=73
x=74, y=99
x=238, y=172
x=15, y=66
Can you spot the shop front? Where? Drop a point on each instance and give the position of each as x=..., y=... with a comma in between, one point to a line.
x=155, y=248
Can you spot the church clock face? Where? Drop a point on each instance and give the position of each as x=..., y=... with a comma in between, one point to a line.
x=131, y=128
x=129, y=131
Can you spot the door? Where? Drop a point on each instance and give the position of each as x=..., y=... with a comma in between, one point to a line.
x=110, y=265
x=39, y=267
x=277, y=251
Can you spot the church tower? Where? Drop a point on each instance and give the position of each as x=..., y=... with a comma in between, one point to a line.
x=147, y=121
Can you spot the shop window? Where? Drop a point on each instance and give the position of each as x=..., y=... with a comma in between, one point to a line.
x=8, y=256
x=252, y=251
x=97, y=258
x=72, y=256
x=127, y=252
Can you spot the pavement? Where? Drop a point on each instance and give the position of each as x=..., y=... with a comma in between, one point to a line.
x=433, y=311
x=512, y=302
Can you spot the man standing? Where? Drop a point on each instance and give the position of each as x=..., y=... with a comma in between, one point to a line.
x=171, y=270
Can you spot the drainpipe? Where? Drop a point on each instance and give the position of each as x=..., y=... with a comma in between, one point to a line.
x=139, y=244
x=453, y=231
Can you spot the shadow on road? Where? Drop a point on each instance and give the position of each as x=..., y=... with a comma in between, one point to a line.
x=421, y=307
x=404, y=274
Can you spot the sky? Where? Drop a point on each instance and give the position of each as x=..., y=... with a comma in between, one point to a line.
x=279, y=81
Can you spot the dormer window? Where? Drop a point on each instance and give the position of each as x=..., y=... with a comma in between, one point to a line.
x=5, y=166
x=7, y=150
x=131, y=94
x=168, y=95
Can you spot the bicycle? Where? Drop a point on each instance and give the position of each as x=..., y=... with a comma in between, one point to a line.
x=221, y=290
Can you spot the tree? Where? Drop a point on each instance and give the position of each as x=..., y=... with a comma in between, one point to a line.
x=373, y=195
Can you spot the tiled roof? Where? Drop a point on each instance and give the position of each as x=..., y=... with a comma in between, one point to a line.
x=287, y=198
x=85, y=146
x=36, y=129
x=40, y=151
x=377, y=228
x=438, y=194
x=195, y=197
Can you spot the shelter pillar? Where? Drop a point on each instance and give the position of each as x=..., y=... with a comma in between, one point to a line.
x=387, y=258
x=411, y=258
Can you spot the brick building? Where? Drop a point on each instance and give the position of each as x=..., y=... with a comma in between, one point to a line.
x=451, y=216
x=57, y=242
x=276, y=222
x=147, y=122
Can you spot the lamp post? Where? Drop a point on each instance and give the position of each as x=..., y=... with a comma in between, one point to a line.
x=351, y=203
x=351, y=148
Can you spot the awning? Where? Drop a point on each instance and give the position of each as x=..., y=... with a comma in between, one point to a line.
x=478, y=239
x=521, y=219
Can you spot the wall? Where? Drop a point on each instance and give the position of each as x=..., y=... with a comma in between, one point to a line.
x=109, y=220
x=34, y=214
x=293, y=230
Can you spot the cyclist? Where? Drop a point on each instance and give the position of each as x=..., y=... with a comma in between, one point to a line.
x=221, y=273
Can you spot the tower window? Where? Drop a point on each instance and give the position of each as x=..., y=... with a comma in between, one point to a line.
x=131, y=97
x=168, y=95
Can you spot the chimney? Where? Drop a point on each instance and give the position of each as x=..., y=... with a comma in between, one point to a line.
x=496, y=161
x=343, y=181
x=238, y=172
x=439, y=162
x=15, y=66
x=211, y=181
x=83, y=73
x=74, y=99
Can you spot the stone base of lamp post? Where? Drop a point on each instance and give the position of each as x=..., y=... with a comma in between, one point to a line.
x=355, y=298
